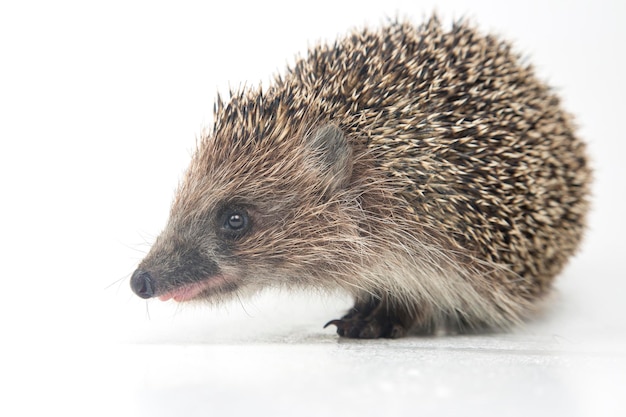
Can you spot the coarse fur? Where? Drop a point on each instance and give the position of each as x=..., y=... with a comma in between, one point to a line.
x=427, y=172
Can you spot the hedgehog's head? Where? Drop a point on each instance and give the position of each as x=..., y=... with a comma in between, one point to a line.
x=253, y=212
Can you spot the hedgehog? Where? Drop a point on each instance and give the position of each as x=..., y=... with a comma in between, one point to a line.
x=425, y=171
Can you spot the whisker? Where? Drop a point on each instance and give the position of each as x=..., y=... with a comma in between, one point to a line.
x=148, y=311
x=117, y=281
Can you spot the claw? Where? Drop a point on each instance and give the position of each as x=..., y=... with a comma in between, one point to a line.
x=336, y=322
x=341, y=326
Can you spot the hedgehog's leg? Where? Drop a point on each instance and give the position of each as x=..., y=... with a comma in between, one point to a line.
x=373, y=317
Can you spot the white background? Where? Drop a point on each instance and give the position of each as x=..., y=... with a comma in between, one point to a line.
x=100, y=105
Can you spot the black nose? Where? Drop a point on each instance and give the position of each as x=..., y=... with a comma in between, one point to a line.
x=142, y=284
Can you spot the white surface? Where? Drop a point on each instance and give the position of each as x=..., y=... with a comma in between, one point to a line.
x=99, y=108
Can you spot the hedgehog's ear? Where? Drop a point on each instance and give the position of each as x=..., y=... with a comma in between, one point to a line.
x=332, y=156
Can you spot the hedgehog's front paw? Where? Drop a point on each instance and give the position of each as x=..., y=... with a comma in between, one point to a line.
x=369, y=320
x=367, y=329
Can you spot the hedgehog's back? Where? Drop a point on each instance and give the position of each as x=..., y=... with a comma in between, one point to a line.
x=479, y=148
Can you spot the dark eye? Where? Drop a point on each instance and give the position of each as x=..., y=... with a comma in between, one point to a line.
x=236, y=221
x=233, y=221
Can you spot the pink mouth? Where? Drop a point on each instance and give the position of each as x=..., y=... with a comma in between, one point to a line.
x=190, y=291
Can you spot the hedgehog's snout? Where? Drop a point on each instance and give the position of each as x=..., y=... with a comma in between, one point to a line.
x=142, y=284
